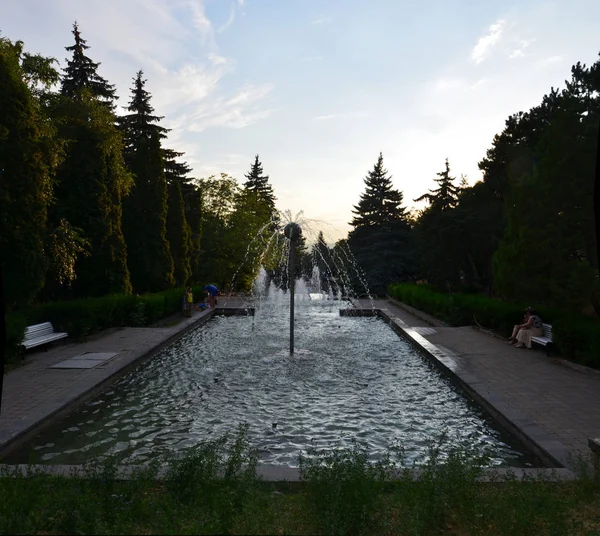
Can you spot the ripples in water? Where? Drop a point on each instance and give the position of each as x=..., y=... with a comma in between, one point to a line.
x=350, y=378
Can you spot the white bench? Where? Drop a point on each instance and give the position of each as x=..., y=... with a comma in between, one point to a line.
x=41, y=334
x=545, y=339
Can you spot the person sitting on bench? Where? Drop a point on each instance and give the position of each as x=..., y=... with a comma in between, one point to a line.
x=532, y=328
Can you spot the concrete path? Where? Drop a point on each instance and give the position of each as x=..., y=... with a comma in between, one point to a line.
x=35, y=391
x=563, y=402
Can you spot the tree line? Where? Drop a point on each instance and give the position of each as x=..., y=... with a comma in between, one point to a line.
x=525, y=232
x=93, y=203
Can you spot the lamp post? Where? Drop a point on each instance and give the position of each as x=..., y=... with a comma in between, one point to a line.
x=292, y=232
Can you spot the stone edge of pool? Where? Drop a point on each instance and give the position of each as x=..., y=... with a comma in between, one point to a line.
x=278, y=473
x=544, y=445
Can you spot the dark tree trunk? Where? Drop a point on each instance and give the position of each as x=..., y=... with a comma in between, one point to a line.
x=596, y=215
x=2, y=335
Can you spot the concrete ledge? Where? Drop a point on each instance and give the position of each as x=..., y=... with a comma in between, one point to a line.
x=431, y=320
x=276, y=473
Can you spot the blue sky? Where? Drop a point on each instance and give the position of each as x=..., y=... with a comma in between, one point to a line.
x=318, y=88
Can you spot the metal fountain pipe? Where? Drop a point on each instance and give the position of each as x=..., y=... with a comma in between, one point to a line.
x=292, y=232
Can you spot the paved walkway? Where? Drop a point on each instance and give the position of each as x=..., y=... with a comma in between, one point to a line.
x=35, y=391
x=562, y=402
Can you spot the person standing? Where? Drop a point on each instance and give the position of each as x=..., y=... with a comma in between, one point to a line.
x=212, y=292
x=189, y=301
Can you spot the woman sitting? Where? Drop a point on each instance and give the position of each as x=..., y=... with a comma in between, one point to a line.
x=513, y=338
x=532, y=328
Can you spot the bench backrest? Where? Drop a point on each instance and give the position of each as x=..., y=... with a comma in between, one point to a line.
x=39, y=330
x=547, y=330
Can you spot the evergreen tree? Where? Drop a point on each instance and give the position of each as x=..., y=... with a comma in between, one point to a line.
x=445, y=196
x=380, y=203
x=258, y=184
x=29, y=155
x=380, y=240
x=91, y=185
x=440, y=250
x=178, y=235
x=146, y=209
x=321, y=256
x=82, y=73
x=184, y=242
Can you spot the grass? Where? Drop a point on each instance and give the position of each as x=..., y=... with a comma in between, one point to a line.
x=214, y=490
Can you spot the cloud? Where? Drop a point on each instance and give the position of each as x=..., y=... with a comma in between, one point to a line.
x=546, y=62
x=230, y=20
x=241, y=2
x=239, y=111
x=320, y=20
x=485, y=43
x=519, y=52
x=346, y=115
x=202, y=24
x=312, y=58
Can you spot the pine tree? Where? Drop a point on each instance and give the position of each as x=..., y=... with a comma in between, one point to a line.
x=445, y=197
x=380, y=203
x=82, y=73
x=440, y=249
x=146, y=209
x=258, y=183
x=380, y=240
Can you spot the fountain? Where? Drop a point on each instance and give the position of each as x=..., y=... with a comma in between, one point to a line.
x=292, y=232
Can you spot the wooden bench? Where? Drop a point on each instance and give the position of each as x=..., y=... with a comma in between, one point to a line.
x=41, y=334
x=545, y=339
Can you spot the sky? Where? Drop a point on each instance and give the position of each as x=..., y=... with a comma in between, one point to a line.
x=318, y=88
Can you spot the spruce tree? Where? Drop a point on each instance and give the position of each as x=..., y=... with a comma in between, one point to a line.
x=258, y=184
x=445, y=196
x=380, y=238
x=145, y=210
x=380, y=203
x=93, y=179
x=82, y=73
x=440, y=247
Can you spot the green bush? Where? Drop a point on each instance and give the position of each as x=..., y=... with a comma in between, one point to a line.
x=86, y=316
x=577, y=337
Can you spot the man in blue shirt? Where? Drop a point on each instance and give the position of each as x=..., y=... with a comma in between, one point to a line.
x=211, y=292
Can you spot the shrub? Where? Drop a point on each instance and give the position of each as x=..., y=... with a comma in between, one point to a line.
x=577, y=337
x=343, y=489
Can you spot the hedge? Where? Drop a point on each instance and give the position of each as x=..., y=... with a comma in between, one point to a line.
x=577, y=337
x=86, y=316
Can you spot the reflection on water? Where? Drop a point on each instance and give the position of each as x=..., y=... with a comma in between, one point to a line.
x=349, y=378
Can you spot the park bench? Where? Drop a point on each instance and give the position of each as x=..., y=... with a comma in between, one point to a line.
x=41, y=334
x=545, y=339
